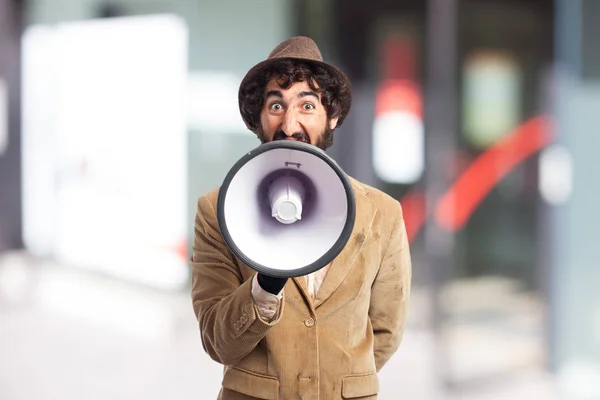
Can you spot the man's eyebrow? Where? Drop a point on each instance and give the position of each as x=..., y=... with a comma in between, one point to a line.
x=276, y=93
x=308, y=93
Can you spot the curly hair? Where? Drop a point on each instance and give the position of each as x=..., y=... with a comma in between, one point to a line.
x=288, y=72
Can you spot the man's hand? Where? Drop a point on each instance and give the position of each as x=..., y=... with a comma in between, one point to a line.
x=271, y=284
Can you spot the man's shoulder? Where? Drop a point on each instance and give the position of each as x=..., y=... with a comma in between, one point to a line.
x=210, y=197
x=388, y=209
x=377, y=196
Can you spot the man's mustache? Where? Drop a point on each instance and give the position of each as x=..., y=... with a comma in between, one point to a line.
x=299, y=136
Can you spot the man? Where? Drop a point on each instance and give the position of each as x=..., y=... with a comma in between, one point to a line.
x=321, y=336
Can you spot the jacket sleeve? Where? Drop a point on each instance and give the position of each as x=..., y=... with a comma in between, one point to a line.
x=230, y=327
x=390, y=294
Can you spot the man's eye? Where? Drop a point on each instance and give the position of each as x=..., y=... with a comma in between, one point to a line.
x=276, y=107
x=308, y=106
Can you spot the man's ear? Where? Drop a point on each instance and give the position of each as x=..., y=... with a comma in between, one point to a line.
x=333, y=122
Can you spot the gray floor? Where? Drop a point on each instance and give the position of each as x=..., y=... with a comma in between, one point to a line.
x=67, y=334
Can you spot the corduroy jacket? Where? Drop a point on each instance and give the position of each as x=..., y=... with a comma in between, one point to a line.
x=327, y=349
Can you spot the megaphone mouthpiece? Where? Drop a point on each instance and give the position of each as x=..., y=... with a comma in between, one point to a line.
x=286, y=195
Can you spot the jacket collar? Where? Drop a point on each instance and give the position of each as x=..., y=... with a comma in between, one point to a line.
x=341, y=265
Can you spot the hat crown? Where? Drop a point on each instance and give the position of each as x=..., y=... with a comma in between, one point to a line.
x=297, y=47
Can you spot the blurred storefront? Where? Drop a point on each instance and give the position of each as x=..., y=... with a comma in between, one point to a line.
x=471, y=103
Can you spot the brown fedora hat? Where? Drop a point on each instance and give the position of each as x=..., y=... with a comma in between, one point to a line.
x=299, y=48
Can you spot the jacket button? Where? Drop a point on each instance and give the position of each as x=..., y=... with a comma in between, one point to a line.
x=309, y=322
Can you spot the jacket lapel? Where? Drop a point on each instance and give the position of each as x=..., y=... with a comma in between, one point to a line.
x=341, y=265
x=301, y=283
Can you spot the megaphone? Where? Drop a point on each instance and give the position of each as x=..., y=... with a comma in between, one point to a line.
x=286, y=209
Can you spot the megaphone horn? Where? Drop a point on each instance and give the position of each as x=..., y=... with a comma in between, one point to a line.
x=286, y=209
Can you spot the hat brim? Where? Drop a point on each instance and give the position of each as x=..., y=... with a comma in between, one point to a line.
x=260, y=68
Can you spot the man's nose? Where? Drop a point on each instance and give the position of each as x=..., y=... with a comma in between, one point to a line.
x=290, y=123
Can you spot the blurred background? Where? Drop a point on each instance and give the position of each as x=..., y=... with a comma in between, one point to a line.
x=480, y=116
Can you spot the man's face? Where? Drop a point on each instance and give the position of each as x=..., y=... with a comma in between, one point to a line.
x=295, y=113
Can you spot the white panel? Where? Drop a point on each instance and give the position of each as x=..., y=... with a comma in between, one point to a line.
x=398, y=147
x=556, y=174
x=116, y=154
x=38, y=139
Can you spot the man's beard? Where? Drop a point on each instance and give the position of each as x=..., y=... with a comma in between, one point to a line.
x=324, y=141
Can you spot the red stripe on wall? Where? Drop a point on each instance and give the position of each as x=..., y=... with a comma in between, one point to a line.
x=456, y=206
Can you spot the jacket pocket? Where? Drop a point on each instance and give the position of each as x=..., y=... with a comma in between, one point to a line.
x=251, y=384
x=357, y=386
